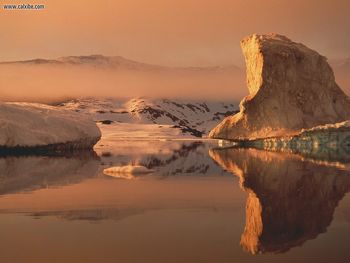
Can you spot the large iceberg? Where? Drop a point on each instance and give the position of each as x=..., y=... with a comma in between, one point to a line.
x=29, y=126
x=291, y=87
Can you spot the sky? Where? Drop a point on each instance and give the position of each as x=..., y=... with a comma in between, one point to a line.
x=163, y=32
x=168, y=32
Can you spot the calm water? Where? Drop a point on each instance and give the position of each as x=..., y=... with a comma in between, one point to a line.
x=203, y=204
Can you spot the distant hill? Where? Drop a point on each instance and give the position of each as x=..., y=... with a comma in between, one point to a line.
x=116, y=76
x=118, y=62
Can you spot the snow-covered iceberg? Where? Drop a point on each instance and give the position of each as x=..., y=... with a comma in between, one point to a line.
x=127, y=171
x=37, y=126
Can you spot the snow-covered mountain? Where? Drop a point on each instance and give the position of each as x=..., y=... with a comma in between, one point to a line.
x=190, y=117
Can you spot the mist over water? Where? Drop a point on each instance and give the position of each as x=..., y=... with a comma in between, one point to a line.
x=52, y=82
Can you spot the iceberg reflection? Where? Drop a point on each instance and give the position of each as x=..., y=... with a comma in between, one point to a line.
x=29, y=173
x=290, y=199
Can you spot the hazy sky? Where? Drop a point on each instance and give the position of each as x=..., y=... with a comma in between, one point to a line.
x=169, y=32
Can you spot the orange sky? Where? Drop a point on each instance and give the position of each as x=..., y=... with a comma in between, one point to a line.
x=168, y=32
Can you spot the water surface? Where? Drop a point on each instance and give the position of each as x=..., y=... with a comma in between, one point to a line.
x=202, y=204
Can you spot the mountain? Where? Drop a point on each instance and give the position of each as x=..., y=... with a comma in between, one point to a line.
x=92, y=60
x=43, y=80
x=118, y=62
x=190, y=117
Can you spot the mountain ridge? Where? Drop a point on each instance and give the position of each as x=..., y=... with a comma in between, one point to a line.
x=116, y=62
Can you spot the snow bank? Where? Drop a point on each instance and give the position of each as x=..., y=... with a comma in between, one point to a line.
x=328, y=127
x=37, y=125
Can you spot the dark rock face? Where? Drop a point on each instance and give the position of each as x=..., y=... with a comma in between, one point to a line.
x=291, y=88
x=186, y=129
x=107, y=122
x=290, y=200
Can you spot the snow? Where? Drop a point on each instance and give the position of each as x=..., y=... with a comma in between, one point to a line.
x=127, y=171
x=331, y=126
x=32, y=124
x=191, y=118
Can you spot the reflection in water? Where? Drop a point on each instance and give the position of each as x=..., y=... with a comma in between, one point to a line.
x=331, y=154
x=20, y=173
x=167, y=158
x=290, y=200
x=91, y=214
x=28, y=173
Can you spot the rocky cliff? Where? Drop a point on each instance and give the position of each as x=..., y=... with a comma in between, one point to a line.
x=291, y=87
